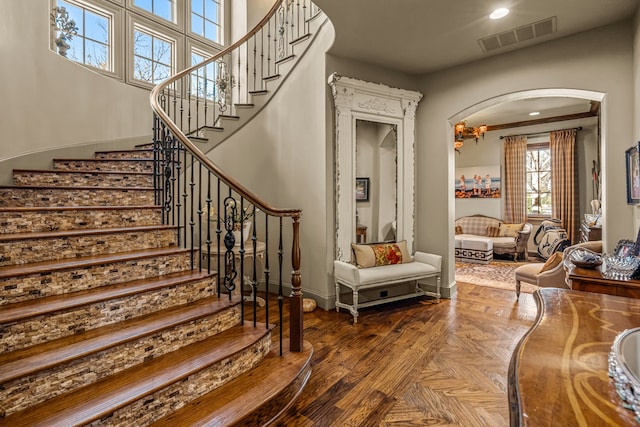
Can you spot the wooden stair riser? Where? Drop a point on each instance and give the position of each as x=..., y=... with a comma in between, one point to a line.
x=29, y=287
x=161, y=403
x=139, y=165
x=39, y=329
x=35, y=221
x=84, y=179
x=125, y=154
x=32, y=389
x=62, y=247
x=45, y=197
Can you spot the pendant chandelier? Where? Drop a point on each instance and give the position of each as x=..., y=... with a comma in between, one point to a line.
x=463, y=132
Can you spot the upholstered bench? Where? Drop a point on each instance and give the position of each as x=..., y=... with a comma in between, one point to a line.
x=410, y=269
x=473, y=249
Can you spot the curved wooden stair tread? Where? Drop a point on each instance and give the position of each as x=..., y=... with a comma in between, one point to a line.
x=42, y=356
x=88, y=261
x=9, y=237
x=97, y=400
x=275, y=377
x=51, y=304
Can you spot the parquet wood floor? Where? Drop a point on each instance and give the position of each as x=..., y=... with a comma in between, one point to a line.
x=414, y=362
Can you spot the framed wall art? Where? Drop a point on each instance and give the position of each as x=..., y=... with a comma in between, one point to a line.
x=362, y=189
x=633, y=175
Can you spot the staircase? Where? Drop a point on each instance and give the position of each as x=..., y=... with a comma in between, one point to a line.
x=211, y=101
x=108, y=318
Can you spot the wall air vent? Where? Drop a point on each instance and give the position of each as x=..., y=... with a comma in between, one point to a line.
x=518, y=35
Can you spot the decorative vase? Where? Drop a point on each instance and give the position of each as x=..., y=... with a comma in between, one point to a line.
x=246, y=227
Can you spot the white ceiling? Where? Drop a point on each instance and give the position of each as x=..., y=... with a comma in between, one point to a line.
x=423, y=36
x=518, y=111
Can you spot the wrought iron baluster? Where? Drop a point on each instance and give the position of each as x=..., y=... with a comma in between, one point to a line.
x=179, y=167
x=199, y=212
x=280, y=294
x=230, y=272
x=218, y=236
x=185, y=195
x=209, y=217
x=266, y=268
x=192, y=222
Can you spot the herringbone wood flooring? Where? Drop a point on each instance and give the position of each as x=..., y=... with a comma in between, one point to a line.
x=414, y=362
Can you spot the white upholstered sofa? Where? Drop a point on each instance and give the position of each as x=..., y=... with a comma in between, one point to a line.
x=414, y=268
x=509, y=239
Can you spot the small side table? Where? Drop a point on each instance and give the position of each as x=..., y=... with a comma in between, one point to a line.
x=249, y=259
x=361, y=233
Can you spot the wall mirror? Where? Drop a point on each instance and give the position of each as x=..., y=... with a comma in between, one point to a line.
x=374, y=175
x=376, y=181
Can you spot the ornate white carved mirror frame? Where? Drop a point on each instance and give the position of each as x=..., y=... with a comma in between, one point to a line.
x=359, y=100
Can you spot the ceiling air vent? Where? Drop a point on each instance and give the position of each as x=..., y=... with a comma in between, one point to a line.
x=519, y=35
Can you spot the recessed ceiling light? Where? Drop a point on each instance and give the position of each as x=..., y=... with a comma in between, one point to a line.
x=499, y=13
x=534, y=113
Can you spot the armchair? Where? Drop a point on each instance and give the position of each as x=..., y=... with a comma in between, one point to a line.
x=551, y=274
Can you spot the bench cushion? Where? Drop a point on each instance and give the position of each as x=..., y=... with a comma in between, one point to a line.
x=395, y=273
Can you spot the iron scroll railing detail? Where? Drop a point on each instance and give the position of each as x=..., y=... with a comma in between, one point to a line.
x=211, y=209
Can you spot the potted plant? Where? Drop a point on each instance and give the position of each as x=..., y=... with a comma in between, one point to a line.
x=241, y=219
x=64, y=27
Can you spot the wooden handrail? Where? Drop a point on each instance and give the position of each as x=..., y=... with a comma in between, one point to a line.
x=177, y=132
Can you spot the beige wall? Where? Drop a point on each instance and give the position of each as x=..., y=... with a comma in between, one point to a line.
x=281, y=156
x=50, y=102
x=599, y=60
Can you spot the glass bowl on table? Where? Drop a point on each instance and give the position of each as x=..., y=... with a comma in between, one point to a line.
x=619, y=268
x=584, y=258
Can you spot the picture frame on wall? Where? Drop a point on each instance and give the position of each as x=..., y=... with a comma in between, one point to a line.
x=362, y=189
x=478, y=182
x=632, y=161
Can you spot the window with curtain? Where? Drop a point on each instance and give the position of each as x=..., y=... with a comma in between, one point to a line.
x=538, y=172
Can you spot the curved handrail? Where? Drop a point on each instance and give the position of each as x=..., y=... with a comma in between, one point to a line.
x=177, y=132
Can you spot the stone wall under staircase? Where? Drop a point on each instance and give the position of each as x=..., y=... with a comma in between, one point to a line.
x=103, y=320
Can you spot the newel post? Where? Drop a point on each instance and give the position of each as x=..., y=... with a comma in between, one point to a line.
x=295, y=301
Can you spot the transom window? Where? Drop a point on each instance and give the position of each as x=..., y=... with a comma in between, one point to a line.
x=205, y=19
x=165, y=9
x=142, y=42
x=91, y=45
x=538, y=170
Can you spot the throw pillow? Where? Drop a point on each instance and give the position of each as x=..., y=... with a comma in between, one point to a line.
x=552, y=262
x=378, y=254
x=493, y=231
x=458, y=229
x=509, y=230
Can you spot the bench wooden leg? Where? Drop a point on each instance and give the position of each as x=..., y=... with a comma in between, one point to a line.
x=354, y=311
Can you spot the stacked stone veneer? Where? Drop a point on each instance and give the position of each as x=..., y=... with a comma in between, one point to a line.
x=29, y=390
x=29, y=285
x=88, y=179
x=138, y=165
x=77, y=218
x=59, y=324
x=44, y=197
x=163, y=402
x=89, y=232
x=45, y=248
